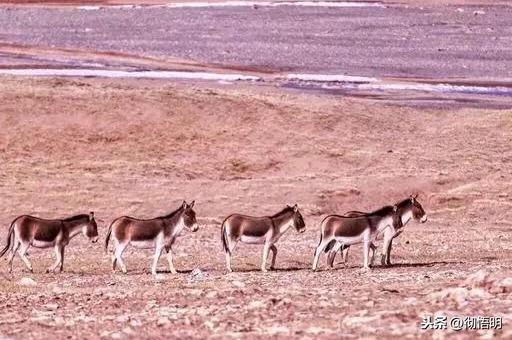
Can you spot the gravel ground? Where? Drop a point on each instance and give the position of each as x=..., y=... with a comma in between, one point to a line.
x=140, y=147
x=462, y=41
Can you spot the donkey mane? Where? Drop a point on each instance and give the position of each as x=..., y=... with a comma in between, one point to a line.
x=404, y=203
x=389, y=208
x=284, y=211
x=75, y=218
x=169, y=215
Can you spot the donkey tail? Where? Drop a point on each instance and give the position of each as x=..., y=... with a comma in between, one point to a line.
x=224, y=239
x=107, y=238
x=10, y=241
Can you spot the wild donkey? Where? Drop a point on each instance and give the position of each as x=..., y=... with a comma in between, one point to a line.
x=352, y=230
x=408, y=209
x=160, y=233
x=259, y=230
x=26, y=231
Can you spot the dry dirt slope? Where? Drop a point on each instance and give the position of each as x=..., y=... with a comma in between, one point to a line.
x=121, y=147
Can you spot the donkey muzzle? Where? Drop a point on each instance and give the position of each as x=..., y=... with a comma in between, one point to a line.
x=424, y=219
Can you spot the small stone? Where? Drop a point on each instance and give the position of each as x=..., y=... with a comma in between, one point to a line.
x=28, y=282
x=128, y=330
x=116, y=335
x=197, y=275
x=503, y=286
x=51, y=306
x=256, y=304
x=135, y=323
x=477, y=279
x=238, y=284
x=159, y=277
x=212, y=294
x=162, y=321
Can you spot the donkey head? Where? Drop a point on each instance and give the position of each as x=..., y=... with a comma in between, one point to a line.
x=396, y=218
x=189, y=216
x=91, y=228
x=298, y=220
x=417, y=210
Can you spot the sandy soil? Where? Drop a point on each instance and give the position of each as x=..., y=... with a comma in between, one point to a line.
x=140, y=147
x=159, y=2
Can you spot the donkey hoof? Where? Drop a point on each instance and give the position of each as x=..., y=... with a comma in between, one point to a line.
x=264, y=270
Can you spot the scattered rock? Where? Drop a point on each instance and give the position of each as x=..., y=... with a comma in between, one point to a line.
x=356, y=321
x=256, y=304
x=197, y=275
x=51, y=306
x=162, y=321
x=128, y=330
x=28, y=282
x=318, y=330
x=502, y=286
x=274, y=330
x=479, y=279
x=238, y=284
x=212, y=294
x=159, y=277
x=458, y=294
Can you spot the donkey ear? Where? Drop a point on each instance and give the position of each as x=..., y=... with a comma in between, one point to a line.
x=395, y=208
x=184, y=205
x=91, y=216
x=295, y=208
x=191, y=204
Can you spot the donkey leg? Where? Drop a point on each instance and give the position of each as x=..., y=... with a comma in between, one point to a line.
x=22, y=252
x=345, y=254
x=119, y=249
x=171, y=262
x=13, y=253
x=274, y=254
x=366, y=253
x=319, y=251
x=373, y=248
x=158, y=253
x=231, y=246
x=266, y=249
x=61, y=259
x=388, y=237
x=58, y=259
x=388, y=253
x=332, y=254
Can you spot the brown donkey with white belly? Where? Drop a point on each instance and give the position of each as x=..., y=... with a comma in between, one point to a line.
x=353, y=230
x=259, y=230
x=410, y=208
x=159, y=233
x=26, y=231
